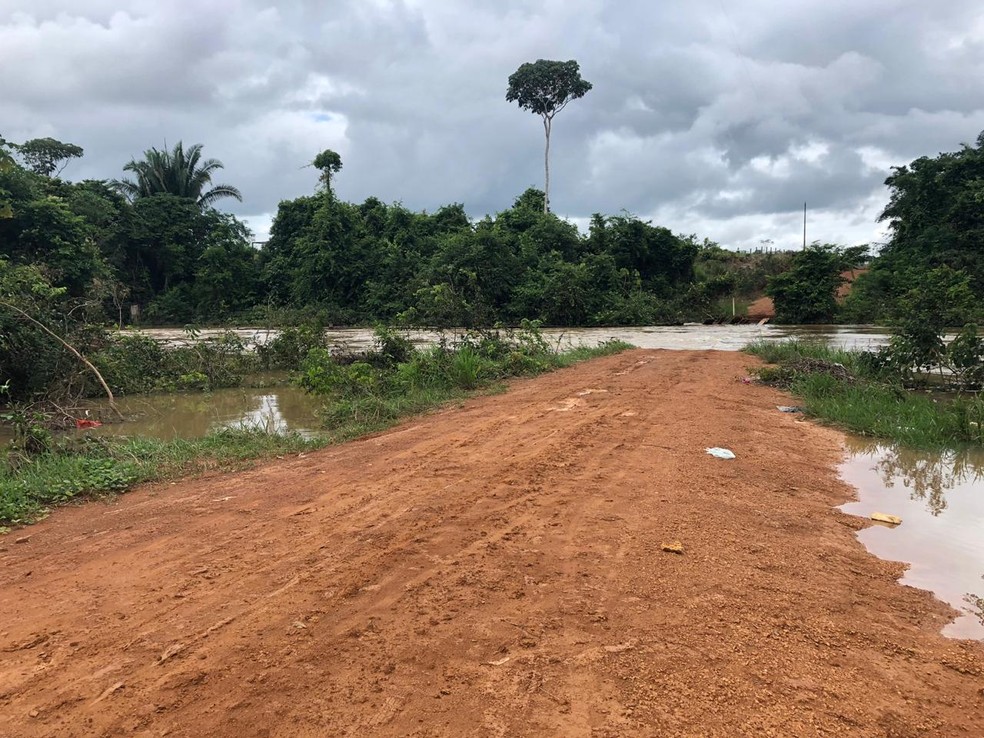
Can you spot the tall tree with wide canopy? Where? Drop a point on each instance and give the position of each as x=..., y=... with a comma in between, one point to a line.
x=545, y=87
x=45, y=155
x=176, y=172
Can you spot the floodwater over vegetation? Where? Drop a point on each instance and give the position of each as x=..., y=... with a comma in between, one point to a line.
x=284, y=407
x=940, y=498
x=690, y=336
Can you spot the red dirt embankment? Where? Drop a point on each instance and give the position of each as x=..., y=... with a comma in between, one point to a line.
x=493, y=570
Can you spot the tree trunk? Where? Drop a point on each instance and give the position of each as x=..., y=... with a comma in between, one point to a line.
x=547, y=122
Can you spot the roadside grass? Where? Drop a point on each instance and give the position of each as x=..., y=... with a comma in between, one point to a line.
x=366, y=397
x=860, y=398
x=357, y=398
x=788, y=351
x=29, y=485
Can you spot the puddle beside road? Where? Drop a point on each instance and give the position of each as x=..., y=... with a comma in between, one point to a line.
x=940, y=498
x=195, y=414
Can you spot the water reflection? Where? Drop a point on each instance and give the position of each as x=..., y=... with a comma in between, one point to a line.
x=976, y=605
x=928, y=475
x=192, y=415
x=940, y=498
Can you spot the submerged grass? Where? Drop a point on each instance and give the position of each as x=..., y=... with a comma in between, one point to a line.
x=358, y=398
x=866, y=401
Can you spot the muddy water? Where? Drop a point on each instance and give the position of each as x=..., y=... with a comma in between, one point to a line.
x=192, y=415
x=693, y=336
x=940, y=498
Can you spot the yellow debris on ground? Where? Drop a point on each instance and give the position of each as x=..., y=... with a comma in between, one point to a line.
x=886, y=518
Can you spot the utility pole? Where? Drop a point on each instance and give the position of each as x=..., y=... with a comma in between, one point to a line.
x=804, y=225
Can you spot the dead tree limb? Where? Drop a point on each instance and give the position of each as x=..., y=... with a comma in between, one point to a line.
x=74, y=351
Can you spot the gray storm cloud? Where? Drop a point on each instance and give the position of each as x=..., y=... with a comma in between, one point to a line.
x=714, y=118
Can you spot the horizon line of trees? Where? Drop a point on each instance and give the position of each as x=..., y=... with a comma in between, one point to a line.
x=157, y=241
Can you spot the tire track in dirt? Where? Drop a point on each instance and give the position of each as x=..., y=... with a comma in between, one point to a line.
x=493, y=569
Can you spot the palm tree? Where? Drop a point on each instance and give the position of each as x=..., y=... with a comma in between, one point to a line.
x=175, y=172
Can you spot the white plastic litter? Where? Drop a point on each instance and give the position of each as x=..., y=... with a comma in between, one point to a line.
x=721, y=453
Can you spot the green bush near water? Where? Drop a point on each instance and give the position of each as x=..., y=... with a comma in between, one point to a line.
x=857, y=392
x=136, y=364
x=397, y=379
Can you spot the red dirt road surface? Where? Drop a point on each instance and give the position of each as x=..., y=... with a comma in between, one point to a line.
x=492, y=570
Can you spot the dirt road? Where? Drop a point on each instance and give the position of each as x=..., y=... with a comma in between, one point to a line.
x=492, y=570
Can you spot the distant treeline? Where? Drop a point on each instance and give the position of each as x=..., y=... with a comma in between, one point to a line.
x=158, y=245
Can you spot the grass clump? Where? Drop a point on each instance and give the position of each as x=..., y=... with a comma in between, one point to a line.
x=397, y=379
x=856, y=391
x=793, y=350
x=29, y=484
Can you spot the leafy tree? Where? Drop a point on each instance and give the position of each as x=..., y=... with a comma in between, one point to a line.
x=165, y=239
x=226, y=279
x=936, y=219
x=39, y=228
x=806, y=292
x=43, y=155
x=329, y=163
x=7, y=164
x=176, y=172
x=941, y=299
x=545, y=87
x=661, y=259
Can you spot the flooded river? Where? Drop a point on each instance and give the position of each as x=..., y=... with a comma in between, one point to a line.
x=692, y=336
x=940, y=498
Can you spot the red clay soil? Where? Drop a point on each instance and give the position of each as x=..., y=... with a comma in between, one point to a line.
x=492, y=570
x=760, y=309
x=848, y=276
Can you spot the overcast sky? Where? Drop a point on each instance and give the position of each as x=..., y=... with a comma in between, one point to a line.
x=714, y=117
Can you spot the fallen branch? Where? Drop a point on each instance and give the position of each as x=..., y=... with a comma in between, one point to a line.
x=74, y=351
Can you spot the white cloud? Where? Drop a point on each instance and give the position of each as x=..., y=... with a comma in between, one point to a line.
x=718, y=119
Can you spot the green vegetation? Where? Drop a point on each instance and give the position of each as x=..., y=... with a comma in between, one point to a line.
x=359, y=395
x=866, y=393
x=134, y=364
x=805, y=293
x=329, y=163
x=31, y=483
x=397, y=379
x=79, y=257
x=937, y=227
x=176, y=172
